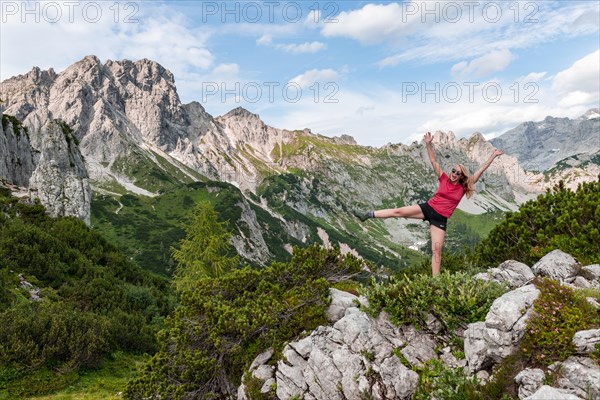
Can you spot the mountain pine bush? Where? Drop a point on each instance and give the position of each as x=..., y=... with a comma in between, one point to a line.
x=559, y=219
x=93, y=300
x=224, y=322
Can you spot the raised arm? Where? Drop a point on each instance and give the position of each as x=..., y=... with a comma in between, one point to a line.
x=436, y=166
x=484, y=166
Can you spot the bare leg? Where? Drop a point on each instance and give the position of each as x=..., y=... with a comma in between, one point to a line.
x=402, y=212
x=437, y=242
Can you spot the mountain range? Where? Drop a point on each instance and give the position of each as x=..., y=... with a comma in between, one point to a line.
x=119, y=130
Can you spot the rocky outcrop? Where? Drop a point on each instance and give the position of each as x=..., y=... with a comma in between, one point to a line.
x=51, y=167
x=556, y=265
x=359, y=356
x=515, y=274
x=579, y=376
x=529, y=381
x=60, y=179
x=16, y=155
x=585, y=341
x=551, y=393
x=353, y=358
x=497, y=337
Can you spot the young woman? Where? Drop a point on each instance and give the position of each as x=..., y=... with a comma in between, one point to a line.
x=440, y=207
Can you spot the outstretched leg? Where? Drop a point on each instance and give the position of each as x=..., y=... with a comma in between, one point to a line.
x=402, y=212
x=437, y=243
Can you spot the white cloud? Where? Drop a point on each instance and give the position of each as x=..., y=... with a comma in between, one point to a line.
x=423, y=39
x=531, y=77
x=226, y=69
x=583, y=76
x=483, y=66
x=308, y=47
x=308, y=78
x=164, y=38
x=264, y=40
x=578, y=98
x=371, y=24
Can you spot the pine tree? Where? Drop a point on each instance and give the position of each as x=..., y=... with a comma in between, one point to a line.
x=205, y=251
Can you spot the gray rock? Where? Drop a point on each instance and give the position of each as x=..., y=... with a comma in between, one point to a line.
x=60, y=179
x=264, y=372
x=450, y=361
x=585, y=341
x=593, y=302
x=476, y=352
x=344, y=360
x=433, y=324
x=580, y=375
x=496, y=338
x=514, y=273
x=592, y=271
x=420, y=350
x=551, y=393
x=581, y=283
x=483, y=376
x=508, y=309
x=16, y=155
x=399, y=381
x=266, y=387
x=261, y=359
x=340, y=301
x=529, y=381
x=556, y=265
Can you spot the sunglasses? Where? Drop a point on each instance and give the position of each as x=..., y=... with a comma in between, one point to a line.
x=458, y=173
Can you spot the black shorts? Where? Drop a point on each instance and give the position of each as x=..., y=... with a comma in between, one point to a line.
x=434, y=218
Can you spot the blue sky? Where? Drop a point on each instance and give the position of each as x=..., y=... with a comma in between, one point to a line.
x=379, y=71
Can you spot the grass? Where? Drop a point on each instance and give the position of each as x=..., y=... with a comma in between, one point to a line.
x=104, y=383
x=482, y=224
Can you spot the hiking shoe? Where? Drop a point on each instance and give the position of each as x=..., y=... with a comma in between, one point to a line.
x=361, y=214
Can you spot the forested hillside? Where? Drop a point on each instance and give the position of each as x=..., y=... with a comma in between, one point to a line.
x=68, y=300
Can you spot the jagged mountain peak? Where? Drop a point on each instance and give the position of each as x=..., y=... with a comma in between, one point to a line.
x=241, y=112
x=344, y=139
x=37, y=75
x=541, y=144
x=444, y=138
x=592, y=113
x=477, y=137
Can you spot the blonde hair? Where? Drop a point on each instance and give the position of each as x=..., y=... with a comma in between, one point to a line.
x=466, y=181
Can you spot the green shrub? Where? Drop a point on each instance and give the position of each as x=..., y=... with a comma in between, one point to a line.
x=440, y=382
x=32, y=335
x=94, y=301
x=225, y=322
x=254, y=385
x=559, y=219
x=502, y=385
x=454, y=299
x=558, y=313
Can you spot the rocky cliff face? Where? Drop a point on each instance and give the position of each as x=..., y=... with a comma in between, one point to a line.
x=540, y=145
x=16, y=155
x=60, y=179
x=53, y=169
